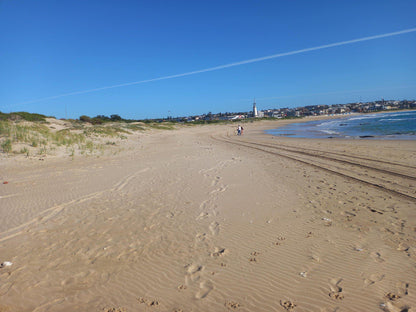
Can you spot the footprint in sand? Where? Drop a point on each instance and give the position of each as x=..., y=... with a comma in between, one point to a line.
x=232, y=305
x=193, y=273
x=201, y=237
x=218, y=252
x=205, y=289
x=279, y=240
x=372, y=279
x=316, y=258
x=194, y=268
x=401, y=291
x=148, y=302
x=253, y=255
x=215, y=181
x=203, y=205
x=214, y=227
x=392, y=296
x=287, y=305
x=377, y=257
x=393, y=307
x=309, y=234
x=182, y=287
x=336, y=290
x=402, y=288
x=202, y=215
x=221, y=189
x=403, y=247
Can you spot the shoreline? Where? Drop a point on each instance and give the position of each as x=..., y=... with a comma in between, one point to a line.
x=407, y=137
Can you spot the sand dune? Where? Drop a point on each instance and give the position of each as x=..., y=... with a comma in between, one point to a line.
x=199, y=219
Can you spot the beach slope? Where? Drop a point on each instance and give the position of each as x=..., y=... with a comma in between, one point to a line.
x=199, y=219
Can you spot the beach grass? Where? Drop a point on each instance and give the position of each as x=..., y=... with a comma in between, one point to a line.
x=33, y=134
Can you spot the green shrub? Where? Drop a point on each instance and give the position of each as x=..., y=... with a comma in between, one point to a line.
x=96, y=121
x=3, y=116
x=115, y=117
x=85, y=118
x=29, y=116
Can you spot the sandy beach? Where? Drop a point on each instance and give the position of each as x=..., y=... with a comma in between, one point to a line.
x=199, y=219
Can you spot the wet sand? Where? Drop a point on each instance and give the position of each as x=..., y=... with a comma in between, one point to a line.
x=198, y=219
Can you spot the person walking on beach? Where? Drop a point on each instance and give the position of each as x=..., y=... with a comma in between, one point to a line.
x=239, y=130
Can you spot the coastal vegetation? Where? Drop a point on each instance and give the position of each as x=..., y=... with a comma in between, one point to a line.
x=39, y=135
x=23, y=116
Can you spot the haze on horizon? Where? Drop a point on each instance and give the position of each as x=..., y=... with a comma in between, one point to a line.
x=148, y=60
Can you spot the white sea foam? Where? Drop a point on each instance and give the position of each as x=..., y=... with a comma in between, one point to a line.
x=363, y=117
x=396, y=119
x=330, y=132
x=328, y=123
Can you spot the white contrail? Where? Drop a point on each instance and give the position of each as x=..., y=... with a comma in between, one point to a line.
x=259, y=59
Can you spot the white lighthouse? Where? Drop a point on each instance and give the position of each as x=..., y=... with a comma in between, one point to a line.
x=255, y=113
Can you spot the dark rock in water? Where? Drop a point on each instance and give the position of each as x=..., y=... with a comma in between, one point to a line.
x=366, y=136
x=331, y=137
x=343, y=124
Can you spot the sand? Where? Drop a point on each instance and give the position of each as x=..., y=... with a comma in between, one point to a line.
x=199, y=219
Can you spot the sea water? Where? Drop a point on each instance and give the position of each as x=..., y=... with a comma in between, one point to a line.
x=392, y=125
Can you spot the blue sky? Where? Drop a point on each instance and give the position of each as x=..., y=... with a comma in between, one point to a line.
x=51, y=48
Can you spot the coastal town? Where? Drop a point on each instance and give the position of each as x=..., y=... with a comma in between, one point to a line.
x=310, y=110
x=278, y=113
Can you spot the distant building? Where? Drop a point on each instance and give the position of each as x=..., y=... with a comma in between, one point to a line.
x=255, y=112
x=237, y=117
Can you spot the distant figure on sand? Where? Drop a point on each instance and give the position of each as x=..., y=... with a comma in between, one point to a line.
x=239, y=130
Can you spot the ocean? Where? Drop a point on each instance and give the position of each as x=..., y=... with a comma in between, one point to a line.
x=399, y=125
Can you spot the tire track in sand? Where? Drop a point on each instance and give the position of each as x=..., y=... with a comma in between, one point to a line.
x=351, y=170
